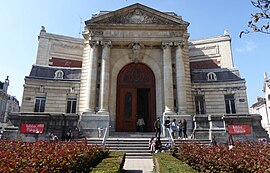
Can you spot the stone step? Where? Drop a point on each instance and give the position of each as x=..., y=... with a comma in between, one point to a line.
x=139, y=157
x=131, y=150
x=132, y=134
x=137, y=147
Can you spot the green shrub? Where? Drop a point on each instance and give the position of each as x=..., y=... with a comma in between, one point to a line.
x=112, y=164
x=166, y=163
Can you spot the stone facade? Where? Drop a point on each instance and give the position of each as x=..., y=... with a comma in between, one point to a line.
x=262, y=106
x=8, y=103
x=191, y=77
x=3, y=98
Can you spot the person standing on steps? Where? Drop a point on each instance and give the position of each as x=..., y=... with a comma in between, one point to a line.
x=173, y=128
x=140, y=124
x=185, y=128
x=167, y=125
x=157, y=126
x=180, y=129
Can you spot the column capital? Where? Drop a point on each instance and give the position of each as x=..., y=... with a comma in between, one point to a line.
x=179, y=44
x=166, y=45
x=106, y=43
x=86, y=34
x=94, y=43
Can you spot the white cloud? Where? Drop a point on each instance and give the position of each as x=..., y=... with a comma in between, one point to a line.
x=247, y=46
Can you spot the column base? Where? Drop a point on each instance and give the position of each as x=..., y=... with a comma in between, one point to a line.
x=103, y=112
x=91, y=124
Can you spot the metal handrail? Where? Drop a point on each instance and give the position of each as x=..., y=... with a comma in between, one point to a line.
x=192, y=136
x=171, y=140
x=171, y=137
x=105, y=137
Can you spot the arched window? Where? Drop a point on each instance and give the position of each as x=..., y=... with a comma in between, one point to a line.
x=59, y=74
x=211, y=76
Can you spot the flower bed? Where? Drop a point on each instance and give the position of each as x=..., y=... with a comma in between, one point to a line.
x=41, y=156
x=243, y=157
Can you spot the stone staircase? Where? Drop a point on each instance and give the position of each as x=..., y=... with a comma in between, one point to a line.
x=135, y=145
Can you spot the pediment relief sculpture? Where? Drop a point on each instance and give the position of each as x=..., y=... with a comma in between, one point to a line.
x=137, y=16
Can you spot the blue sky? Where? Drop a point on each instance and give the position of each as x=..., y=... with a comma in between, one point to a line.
x=21, y=21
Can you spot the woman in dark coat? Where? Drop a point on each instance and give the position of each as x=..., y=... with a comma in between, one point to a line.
x=185, y=128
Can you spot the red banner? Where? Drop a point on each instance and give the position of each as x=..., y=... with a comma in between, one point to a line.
x=32, y=128
x=239, y=129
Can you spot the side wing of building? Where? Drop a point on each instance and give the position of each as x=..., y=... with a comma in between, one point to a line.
x=217, y=87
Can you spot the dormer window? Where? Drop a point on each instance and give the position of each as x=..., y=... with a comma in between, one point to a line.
x=211, y=76
x=59, y=74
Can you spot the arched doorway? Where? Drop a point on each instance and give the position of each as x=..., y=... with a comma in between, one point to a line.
x=135, y=98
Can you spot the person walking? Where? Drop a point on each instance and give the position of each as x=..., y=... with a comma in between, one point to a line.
x=141, y=124
x=185, y=128
x=180, y=129
x=157, y=126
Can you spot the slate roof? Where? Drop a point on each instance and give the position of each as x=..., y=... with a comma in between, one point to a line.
x=222, y=74
x=48, y=72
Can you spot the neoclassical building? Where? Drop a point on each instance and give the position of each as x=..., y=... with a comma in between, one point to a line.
x=135, y=62
x=262, y=106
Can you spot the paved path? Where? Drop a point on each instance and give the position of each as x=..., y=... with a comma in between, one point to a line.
x=139, y=165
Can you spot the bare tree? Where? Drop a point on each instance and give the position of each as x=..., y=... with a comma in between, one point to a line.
x=259, y=21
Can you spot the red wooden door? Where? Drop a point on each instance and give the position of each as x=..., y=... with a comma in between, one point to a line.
x=134, y=81
x=127, y=112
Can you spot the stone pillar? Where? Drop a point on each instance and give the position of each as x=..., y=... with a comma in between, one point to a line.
x=93, y=75
x=180, y=78
x=85, y=80
x=105, y=76
x=168, y=78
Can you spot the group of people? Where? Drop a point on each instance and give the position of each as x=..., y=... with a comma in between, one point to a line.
x=54, y=138
x=172, y=127
x=155, y=145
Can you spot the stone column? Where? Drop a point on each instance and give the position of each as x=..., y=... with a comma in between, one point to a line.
x=105, y=77
x=93, y=75
x=85, y=80
x=167, y=78
x=180, y=78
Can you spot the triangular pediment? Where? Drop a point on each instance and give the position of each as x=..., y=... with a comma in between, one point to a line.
x=137, y=14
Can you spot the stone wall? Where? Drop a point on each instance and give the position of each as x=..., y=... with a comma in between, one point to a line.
x=58, y=46
x=55, y=91
x=214, y=96
x=57, y=124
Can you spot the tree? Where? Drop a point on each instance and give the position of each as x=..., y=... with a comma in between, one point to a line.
x=259, y=21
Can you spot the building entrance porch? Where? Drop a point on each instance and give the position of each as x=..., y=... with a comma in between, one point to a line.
x=135, y=98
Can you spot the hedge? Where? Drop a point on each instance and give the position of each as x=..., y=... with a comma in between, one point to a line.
x=112, y=164
x=166, y=163
x=41, y=156
x=243, y=157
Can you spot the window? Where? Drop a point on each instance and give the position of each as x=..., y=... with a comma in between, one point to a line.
x=211, y=76
x=40, y=104
x=200, y=104
x=59, y=74
x=71, y=105
x=230, y=104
